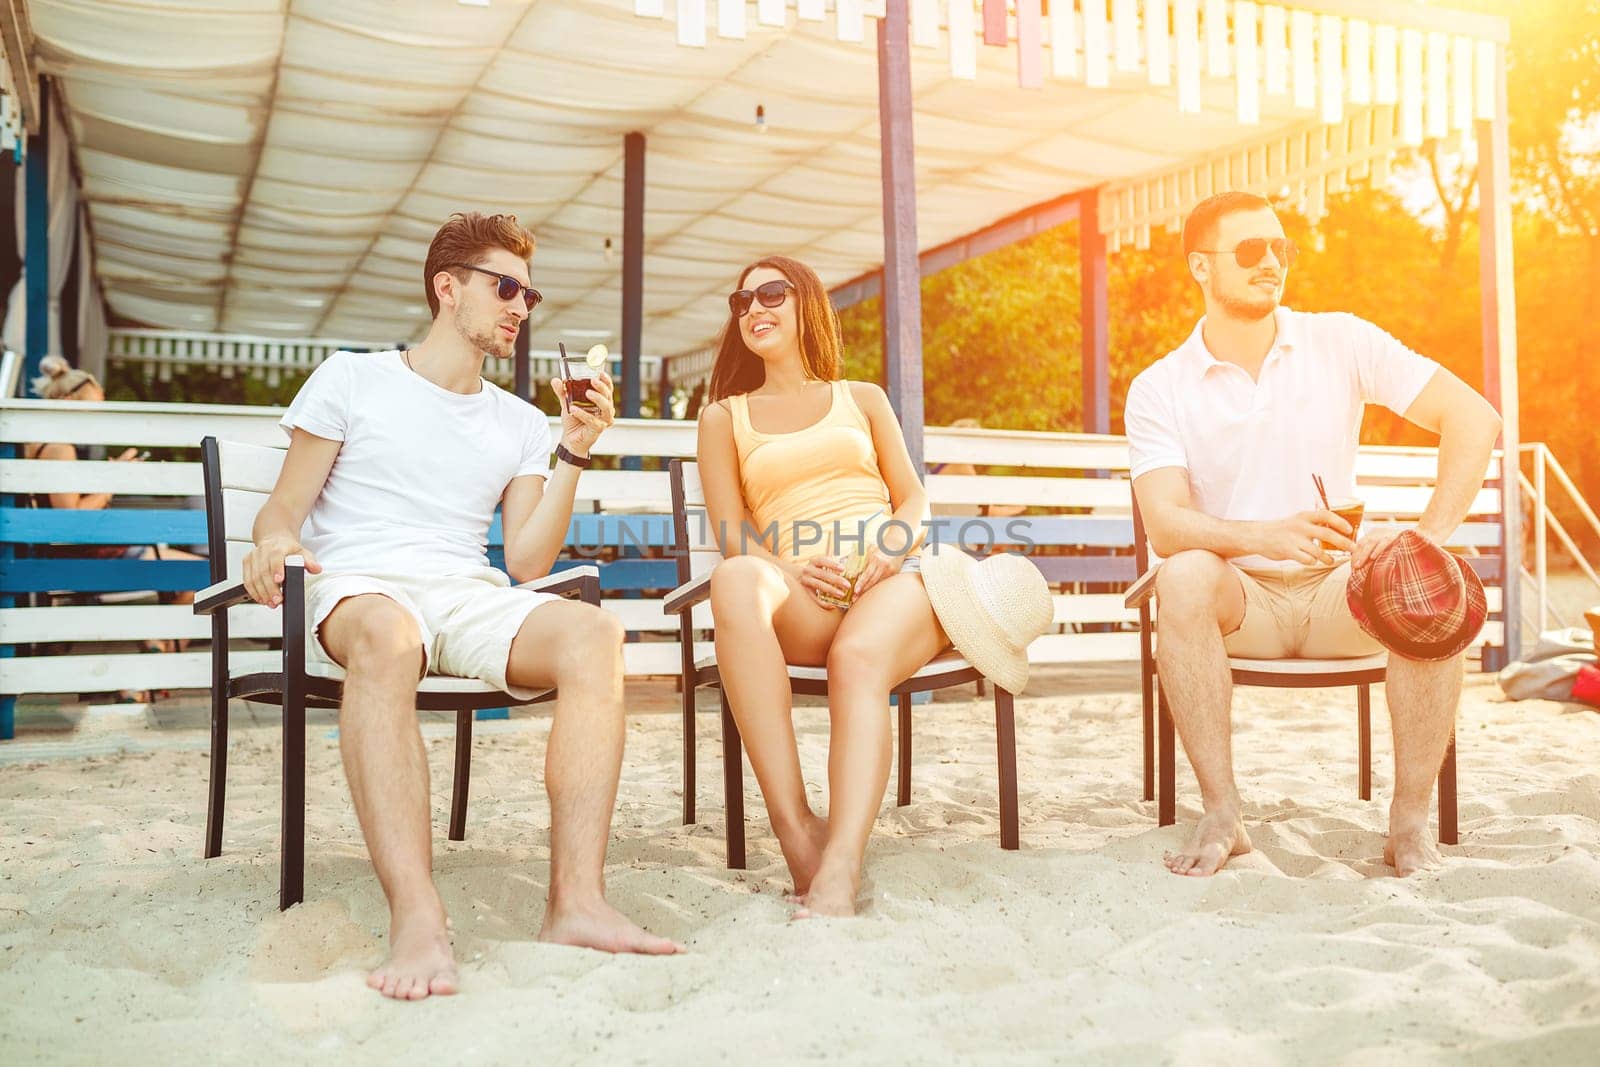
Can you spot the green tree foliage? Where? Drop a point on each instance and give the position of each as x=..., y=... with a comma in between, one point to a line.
x=1001, y=334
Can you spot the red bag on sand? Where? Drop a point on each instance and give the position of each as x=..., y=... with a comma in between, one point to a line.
x=1587, y=685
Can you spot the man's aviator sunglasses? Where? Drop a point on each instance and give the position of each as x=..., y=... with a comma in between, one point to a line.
x=1253, y=250
x=507, y=287
x=770, y=294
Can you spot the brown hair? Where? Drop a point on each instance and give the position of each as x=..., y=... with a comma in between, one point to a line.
x=60, y=379
x=739, y=370
x=1200, y=228
x=464, y=239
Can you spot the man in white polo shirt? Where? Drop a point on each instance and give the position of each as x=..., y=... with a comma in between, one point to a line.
x=1226, y=433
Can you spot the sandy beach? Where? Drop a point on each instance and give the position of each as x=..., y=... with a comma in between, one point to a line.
x=119, y=941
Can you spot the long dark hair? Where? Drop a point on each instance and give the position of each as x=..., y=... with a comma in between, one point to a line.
x=739, y=370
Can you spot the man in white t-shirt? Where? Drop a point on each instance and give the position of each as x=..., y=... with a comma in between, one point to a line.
x=396, y=463
x=1226, y=433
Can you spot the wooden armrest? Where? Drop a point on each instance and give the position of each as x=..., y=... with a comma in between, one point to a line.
x=229, y=592
x=583, y=581
x=1141, y=590
x=215, y=598
x=687, y=595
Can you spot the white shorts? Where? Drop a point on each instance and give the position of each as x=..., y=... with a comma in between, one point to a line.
x=467, y=620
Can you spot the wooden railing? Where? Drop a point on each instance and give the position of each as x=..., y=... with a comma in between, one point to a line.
x=162, y=353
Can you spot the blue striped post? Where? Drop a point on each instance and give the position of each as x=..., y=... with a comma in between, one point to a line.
x=36, y=265
x=8, y=703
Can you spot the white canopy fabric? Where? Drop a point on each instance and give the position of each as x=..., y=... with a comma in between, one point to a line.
x=277, y=167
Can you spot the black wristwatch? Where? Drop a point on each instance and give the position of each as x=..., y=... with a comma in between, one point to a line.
x=581, y=462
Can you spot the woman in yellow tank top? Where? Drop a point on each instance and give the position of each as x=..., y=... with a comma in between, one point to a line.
x=798, y=467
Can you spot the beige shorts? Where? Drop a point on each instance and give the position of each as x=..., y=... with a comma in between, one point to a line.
x=467, y=620
x=1298, y=614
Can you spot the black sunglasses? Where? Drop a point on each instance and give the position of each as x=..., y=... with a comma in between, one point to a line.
x=508, y=287
x=771, y=294
x=1253, y=250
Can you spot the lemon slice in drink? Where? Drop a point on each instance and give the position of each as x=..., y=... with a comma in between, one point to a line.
x=597, y=356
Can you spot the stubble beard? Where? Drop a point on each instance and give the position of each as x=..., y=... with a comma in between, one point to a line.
x=1250, y=309
x=488, y=341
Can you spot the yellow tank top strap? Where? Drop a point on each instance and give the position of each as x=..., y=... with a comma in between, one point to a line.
x=743, y=433
x=846, y=404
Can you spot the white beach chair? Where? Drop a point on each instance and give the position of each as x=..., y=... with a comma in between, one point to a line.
x=1362, y=673
x=697, y=555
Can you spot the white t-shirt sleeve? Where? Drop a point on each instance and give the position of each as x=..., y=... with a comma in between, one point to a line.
x=535, y=445
x=1390, y=373
x=322, y=406
x=1152, y=427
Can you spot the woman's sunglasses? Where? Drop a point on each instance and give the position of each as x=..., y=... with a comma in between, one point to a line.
x=771, y=294
x=507, y=287
x=1253, y=250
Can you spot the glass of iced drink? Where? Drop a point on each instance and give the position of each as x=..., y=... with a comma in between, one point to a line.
x=1350, y=510
x=579, y=386
x=853, y=563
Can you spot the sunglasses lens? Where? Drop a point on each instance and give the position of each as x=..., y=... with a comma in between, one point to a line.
x=1250, y=251
x=771, y=294
x=507, y=287
x=1253, y=249
x=531, y=297
x=739, y=302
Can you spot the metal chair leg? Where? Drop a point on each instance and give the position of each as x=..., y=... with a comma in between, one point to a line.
x=217, y=792
x=292, y=871
x=463, y=779
x=1005, y=728
x=1447, y=796
x=732, y=784
x=1166, y=750
x=1364, y=730
x=903, y=793
x=1147, y=698
x=688, y=697
x=292, y=868
x=1148, y=732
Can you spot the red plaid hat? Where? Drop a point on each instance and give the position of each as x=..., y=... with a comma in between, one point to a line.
x=1416, y=599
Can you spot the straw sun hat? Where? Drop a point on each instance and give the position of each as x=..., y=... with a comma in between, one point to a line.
x=991, y=609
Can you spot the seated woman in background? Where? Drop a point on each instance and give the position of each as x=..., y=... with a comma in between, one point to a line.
x=61, y=381
x=788, y=447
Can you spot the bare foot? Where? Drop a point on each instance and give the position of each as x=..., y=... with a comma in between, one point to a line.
x=832, y=894
x=802, y=851
x=602, y=927
x=420, y=962
x=1411, y=850
x=1217, y=837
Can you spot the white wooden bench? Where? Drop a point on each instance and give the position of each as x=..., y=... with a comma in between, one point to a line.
x=1074, y=483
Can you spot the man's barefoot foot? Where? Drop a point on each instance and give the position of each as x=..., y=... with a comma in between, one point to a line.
x=1217, y=837
x=832, y=895
x=420, y=962
x=802, y=851
x=1410, y=850
x=600, y=926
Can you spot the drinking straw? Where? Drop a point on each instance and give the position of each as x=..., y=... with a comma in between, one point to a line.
x=1322, y=492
